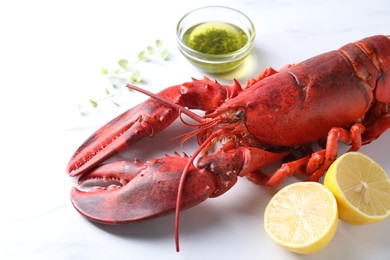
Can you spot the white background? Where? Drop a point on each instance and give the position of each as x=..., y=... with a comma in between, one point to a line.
x=51, y=53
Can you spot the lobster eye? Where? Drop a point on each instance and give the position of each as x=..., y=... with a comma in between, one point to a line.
x=240, y=113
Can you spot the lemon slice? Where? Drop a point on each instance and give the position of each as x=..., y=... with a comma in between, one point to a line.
x=302, y=217
x=361, y=188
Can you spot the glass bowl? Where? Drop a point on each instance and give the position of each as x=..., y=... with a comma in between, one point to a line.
x=215, y=39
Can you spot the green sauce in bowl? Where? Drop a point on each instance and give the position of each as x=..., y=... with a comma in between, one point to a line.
x=215, y=38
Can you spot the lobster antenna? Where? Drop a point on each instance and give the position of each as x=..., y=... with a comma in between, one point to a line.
x=179, y=108
x=181, y=187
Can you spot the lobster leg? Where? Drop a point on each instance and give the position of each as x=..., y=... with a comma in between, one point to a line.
x=353, y=138
x=147, y=119
x=242, y=161
x=285, y=171
x=147, y=190
x=319, y=162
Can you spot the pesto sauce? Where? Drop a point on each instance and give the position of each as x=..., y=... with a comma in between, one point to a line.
x=215, y=38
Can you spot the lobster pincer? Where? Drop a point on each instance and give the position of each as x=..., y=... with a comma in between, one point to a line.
x=144, y=191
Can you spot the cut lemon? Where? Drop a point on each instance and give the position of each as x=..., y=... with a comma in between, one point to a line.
x=302, y=217
x=361, y=188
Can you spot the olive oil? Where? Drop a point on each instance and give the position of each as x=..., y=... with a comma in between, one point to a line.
x=215, y=38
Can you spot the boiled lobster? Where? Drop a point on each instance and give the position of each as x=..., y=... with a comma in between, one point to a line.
x=296, y=116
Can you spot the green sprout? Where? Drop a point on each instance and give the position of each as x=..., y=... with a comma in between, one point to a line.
x=127, y=72
x=143, y=56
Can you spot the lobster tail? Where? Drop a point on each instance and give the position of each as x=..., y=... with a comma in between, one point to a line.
x=377, y=48
x=370, y=59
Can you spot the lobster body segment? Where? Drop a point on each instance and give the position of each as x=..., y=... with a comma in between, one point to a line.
x=338, y=96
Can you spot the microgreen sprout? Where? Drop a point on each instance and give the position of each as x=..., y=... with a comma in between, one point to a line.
x=143, y=56
x=127, y=72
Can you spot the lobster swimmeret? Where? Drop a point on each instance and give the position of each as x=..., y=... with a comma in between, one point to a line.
x=342, y=95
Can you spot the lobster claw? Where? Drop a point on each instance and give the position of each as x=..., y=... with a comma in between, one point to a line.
x=148, y=190
x=119, y=134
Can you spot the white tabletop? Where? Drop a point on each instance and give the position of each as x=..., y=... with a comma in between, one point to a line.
x=51, y=54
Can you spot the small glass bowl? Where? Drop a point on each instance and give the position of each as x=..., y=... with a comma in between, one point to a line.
x=215, y=63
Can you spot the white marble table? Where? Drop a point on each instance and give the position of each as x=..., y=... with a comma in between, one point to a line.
x=51, y=54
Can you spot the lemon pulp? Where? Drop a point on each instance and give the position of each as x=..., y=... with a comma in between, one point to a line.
x=361, y=187
x=302, y=217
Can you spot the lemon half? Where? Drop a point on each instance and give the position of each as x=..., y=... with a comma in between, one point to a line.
x=361, y=188
x=302, y=217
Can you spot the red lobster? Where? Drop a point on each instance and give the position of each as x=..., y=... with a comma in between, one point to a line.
x=342, y=95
